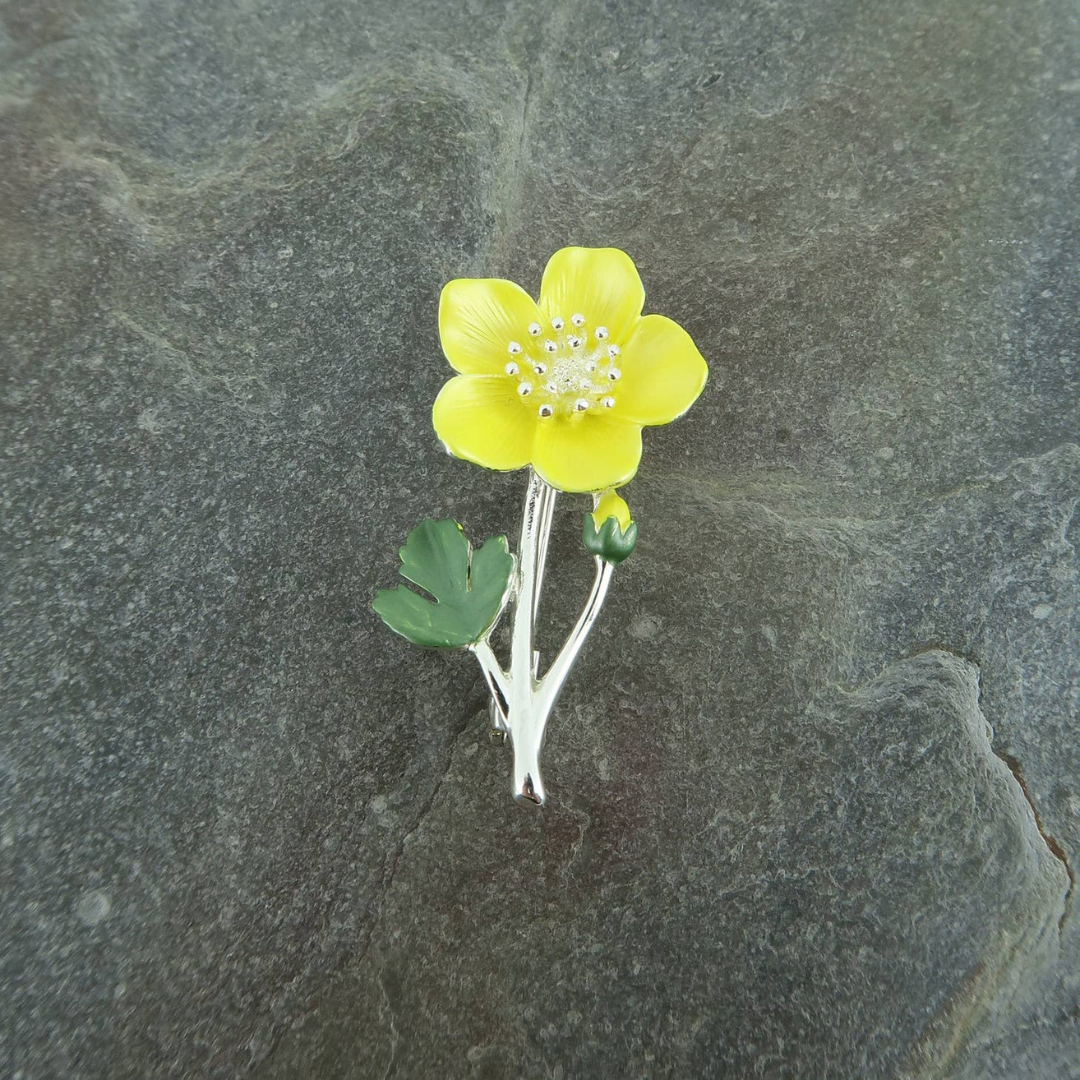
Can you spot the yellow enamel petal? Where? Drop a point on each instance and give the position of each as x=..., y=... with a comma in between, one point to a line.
x=481, y=419
x=611, y=505
x=478, y=318
x=586, y=453
x=600, y=283
x=662, y=372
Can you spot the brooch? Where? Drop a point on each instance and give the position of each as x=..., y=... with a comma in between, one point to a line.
x=562, y=386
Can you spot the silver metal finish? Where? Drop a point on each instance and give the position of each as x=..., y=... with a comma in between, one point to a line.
x=543, y=535
x=521, y=702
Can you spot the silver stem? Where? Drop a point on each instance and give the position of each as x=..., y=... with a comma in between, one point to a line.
x=546, y=516
x=529, y=701
x=527, y=734
x=495, y=678
x=556, y=676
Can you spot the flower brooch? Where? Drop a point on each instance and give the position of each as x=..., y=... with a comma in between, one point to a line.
x=563, y=386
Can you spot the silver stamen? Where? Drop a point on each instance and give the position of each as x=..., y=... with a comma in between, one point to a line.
x=558, y=322
x=601, y=333
x=591, y=365
x=576, y=342
x=546, y=410
x=580, y=405
x=614, y=374
x=534, y=329
x=578, y=320
x=511, y=368
x=539, y=368
x=550, y=346
x=524, y=389
x=515, y=348
x=608, y=402
x=613, y=350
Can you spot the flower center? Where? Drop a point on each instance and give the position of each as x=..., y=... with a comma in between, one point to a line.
x=567, y=369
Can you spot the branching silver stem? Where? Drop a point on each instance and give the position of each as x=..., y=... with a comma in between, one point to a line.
x=528, y=700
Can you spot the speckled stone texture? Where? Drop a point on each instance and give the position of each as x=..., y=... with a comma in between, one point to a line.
x=815, y=782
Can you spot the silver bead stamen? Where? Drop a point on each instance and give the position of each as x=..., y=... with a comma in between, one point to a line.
x=575, y=373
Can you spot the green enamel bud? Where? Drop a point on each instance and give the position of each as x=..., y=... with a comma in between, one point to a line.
x=610, y=541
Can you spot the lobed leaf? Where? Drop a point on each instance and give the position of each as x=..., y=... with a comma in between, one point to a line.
x=468, y=586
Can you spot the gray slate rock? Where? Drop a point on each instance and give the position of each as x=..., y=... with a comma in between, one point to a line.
x=814, y=782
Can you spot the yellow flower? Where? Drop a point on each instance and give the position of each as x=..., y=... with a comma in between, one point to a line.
x=565, y=385
x=611, y=505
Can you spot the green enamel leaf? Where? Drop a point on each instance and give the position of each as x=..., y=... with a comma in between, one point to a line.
x=468, y=586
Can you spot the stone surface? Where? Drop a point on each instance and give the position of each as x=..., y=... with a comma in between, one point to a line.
x=814, y=783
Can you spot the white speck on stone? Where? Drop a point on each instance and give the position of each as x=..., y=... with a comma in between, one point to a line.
x=93, y=907
x=769, y=634
x=1042, y=611
x=645, y=628
x=148, y=421
x=378, y=804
